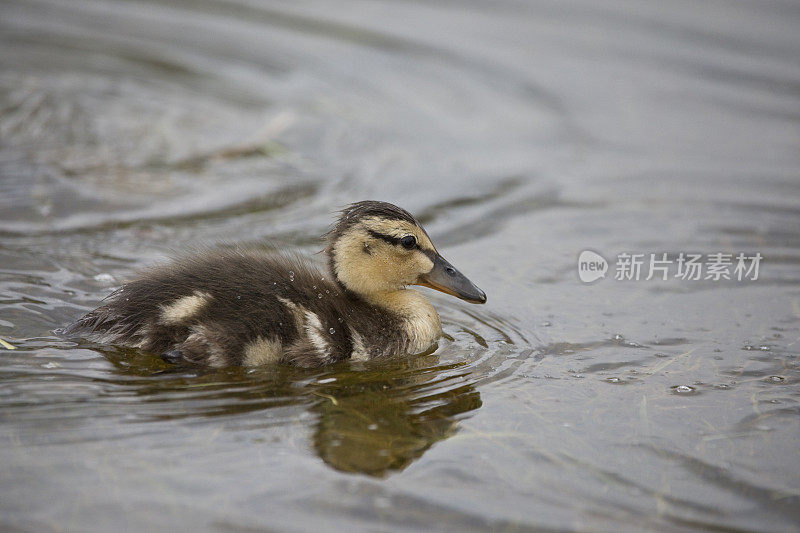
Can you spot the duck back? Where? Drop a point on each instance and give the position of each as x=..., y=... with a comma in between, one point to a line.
x=239, y=307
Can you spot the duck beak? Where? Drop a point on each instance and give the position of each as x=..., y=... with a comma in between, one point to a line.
x=445, y=278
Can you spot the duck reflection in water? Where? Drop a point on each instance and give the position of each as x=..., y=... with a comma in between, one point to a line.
x=374, y=418
x=381, y=421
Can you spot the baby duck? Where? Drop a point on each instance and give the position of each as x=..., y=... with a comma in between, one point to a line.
x=250, y=308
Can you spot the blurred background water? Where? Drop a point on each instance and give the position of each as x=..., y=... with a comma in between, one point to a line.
x=520, y=133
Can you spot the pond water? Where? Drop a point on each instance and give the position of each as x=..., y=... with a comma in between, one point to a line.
x=521, y=134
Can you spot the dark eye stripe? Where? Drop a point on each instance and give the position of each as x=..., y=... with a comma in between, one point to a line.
x=387, y=238
x=396, y=241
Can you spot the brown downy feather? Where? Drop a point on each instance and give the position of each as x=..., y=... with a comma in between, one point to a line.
x=243, y=290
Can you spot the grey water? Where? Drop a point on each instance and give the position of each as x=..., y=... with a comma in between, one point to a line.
x=521, y=134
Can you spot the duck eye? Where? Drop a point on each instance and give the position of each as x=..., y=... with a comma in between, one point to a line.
x=408, y=242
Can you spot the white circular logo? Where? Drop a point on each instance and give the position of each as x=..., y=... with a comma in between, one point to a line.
x=591, y=266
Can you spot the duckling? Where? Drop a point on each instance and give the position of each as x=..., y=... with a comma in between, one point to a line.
x=239, y=307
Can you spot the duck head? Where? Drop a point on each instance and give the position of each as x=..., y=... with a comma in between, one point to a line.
x=377, y=247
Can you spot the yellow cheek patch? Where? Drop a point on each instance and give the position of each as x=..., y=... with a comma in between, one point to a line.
x=368, y=258
x=423, y=262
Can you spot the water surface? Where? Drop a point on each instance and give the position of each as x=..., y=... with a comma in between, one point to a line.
x=520, y=133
